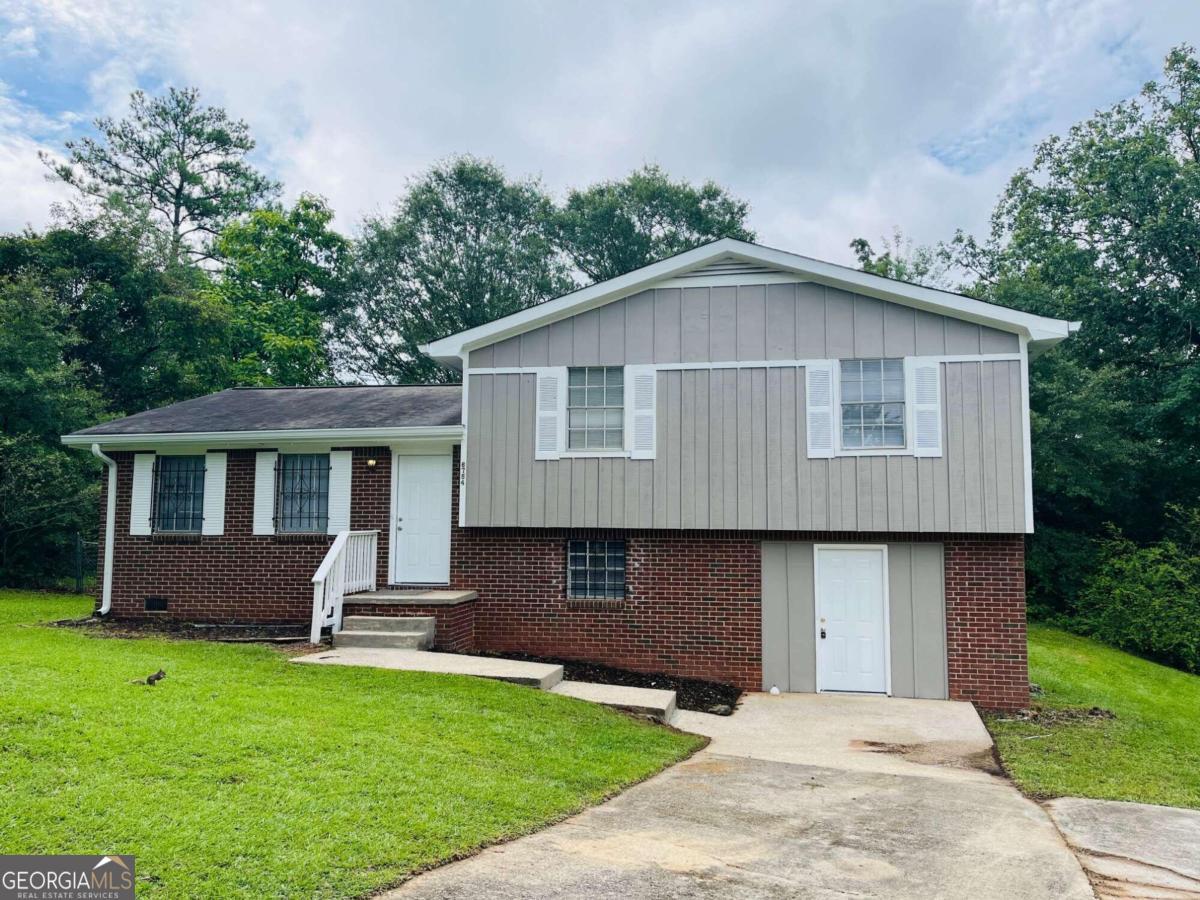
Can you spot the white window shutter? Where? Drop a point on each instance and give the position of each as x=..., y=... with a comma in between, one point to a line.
x=925, y=401
x=214, y=494
x=264, y=491
x=339, y=490
x=141, y=494
x=819, y=408
x=550, y=413
x=641, y=410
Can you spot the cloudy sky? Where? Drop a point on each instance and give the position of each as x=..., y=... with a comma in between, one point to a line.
x=833, y=119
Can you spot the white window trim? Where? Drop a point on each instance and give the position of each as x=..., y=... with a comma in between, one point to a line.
x=564, y=412
x=840, y=450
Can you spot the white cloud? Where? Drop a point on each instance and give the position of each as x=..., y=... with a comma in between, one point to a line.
x=834, y=119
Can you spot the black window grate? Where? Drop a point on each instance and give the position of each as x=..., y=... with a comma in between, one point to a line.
x=178, y=494
x=302, y=502
x=596, y=570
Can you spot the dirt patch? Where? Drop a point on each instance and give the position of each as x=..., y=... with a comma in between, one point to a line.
x=957, y=754
x=692, y=694
x=1049, y=715
x=171, y=628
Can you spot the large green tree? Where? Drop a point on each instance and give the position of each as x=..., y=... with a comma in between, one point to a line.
x=181, y=165
x=464, y=245
x=145, y=335
x=614, y=227
x=282, y=277
x=47, y=493
x=1104, y=227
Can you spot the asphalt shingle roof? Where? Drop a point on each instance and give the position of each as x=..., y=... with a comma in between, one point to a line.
x=279, y=409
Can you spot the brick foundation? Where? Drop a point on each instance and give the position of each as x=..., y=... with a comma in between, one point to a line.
x=693, y=605
x=985, y=621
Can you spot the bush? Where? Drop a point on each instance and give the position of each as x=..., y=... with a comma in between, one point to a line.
x=1147, y=599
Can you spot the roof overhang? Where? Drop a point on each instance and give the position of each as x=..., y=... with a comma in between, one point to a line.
x=339, y=437
x=1040, y=331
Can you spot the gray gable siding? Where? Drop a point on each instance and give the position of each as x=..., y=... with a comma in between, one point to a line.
x=747, y=322
x=731, y=456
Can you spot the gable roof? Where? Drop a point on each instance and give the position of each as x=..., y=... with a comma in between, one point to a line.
x=280, y=411
x=739, y=260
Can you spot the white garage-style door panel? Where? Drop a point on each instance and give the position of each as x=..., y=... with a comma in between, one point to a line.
x=420, y=520
x=852, y=632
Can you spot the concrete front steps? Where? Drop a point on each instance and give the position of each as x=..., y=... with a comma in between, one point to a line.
x=386, y=632
x=653, y=704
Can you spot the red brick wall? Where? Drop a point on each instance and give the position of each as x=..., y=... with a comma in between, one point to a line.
x=237, y=576
x=985, y=621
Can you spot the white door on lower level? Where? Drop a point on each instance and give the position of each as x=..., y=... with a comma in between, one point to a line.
x=420, y=519
x=851, y=612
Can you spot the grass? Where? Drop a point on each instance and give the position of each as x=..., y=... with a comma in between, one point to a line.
x=241, y=774
x=1148, y=753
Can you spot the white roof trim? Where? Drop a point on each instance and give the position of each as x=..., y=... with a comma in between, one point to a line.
x=235, y=439
x=1039, y=329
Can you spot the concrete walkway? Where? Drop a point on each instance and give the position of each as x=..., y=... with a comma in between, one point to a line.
x=654, y=704
x=797, y=796
x=1133, y=849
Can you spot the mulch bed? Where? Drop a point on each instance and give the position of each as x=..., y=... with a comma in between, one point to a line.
x=690, y=693
x=272, y=634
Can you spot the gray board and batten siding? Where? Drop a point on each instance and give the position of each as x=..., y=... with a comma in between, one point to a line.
x=916, y=630
x=731, y=442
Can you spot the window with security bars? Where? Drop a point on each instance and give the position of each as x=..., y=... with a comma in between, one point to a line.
x=596, y=408
x=872, y=399
x=302, y=501
x=178, y=494
x=596, y=570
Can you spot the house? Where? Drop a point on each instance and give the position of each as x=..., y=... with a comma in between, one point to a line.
x=737, y=463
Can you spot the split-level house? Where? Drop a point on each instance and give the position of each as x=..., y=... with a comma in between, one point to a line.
x=737, y=463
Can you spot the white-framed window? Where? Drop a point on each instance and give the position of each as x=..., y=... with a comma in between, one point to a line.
x=595, y=408
x=871, y=399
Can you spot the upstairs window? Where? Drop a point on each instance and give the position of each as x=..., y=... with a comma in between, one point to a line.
x=872, y=401
x=178, y=494
x=302, y=501
x=596, y=570
x=596, y=408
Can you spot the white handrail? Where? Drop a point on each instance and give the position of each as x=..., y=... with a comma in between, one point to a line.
x=347, y=568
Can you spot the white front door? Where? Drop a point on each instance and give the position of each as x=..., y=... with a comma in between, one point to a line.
x=420, y=520
x=851, y=608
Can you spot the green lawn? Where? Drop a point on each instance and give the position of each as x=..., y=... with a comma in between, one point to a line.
x=242, y=774
x=1149, y=753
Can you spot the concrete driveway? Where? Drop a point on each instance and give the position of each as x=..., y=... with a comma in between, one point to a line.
x=797, y=795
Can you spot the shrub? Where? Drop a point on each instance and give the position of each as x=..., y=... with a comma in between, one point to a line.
x=1146, y=599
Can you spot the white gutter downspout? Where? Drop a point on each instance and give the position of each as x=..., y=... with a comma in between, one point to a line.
x=110, y=528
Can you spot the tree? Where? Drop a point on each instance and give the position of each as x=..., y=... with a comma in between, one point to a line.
x=902, y=261
x=47, y=493
x=281, y=280
x=174, y=160
x=464, y=246
x=1104, y=227
x=615, y=227
x=143, y=336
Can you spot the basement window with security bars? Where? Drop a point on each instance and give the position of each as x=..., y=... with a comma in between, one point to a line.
x=596, y=408
x=178, y=494
x=596, y=570
x=302, y=501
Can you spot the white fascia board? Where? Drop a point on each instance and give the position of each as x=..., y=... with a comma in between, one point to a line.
x=343, y=437
x=1040, y=330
